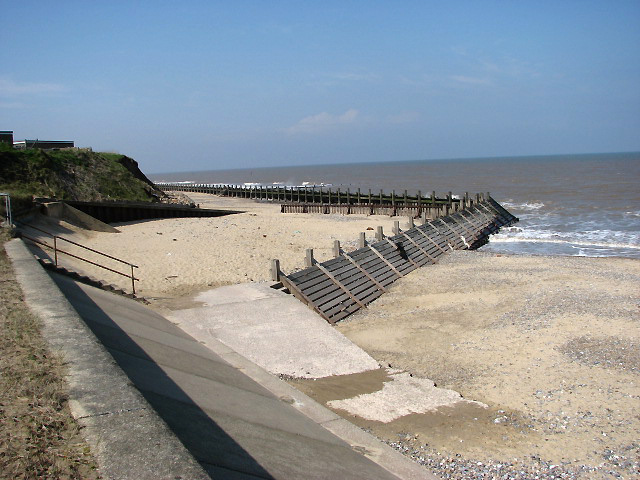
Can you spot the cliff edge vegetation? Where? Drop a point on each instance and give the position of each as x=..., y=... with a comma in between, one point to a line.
x=72, y=174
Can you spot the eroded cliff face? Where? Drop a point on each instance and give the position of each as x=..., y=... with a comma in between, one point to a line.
x=131, y=165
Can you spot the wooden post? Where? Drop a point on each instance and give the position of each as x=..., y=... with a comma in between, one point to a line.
x=275, y=270
x=424, y=217
x=362, y=241
x=411, y=224
x=308, y=259
x=396, y=227
x=379, y=234
x=486, y=199
x=336, y=248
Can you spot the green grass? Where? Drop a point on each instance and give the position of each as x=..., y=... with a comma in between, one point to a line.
x=39, y=438
x=69, y=174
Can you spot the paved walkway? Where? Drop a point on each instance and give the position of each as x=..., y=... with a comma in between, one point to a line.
x=230, y=423
x=236, y=420
x=235, y=427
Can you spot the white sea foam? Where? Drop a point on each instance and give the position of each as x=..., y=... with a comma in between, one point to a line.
x=497, y=239
x=523, y=206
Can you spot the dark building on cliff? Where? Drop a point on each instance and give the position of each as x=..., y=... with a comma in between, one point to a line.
x=6, y=136
x=44, y=144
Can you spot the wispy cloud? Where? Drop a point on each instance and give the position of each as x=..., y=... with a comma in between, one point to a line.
x=11, y=88
x=322, y=122
x=404, y=117
x=468, y=80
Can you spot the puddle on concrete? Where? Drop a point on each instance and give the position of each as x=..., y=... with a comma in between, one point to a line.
x=464, y=427
x=339, y=387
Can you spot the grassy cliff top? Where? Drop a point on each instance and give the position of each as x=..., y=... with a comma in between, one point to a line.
x=72, y=174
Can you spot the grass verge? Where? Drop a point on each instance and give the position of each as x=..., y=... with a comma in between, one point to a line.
x=39, y=438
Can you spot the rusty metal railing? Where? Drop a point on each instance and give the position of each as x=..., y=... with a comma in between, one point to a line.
x=57, y=250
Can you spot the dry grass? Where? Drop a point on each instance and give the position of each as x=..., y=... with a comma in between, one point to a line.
x=38, y=436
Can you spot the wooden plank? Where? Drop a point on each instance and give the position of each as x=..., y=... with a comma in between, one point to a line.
x=314, y=285
x=300, y=295
x=393, y=256
x=374, y=265
x=423, y=247
x=378, y=284
x=436, y=239
x=460, y=239
x=342, y=310
x=419, y=237
x=299, y=276
x=456, y=217
x=341, y=286
x=407, y=255
x=431, y=239
x=477, y=224
x=385, y=260
x=454, y=238
x=433, y=260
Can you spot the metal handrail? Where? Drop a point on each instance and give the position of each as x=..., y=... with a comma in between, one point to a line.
x=57, y=250
x=79, y=245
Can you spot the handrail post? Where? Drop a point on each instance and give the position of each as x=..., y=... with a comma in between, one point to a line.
x=55, y=249
x=133, y=281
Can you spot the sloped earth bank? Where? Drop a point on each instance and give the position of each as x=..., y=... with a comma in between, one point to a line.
x=550, y=344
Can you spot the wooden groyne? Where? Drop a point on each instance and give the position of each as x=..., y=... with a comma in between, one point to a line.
x=343, y=285
x=317, y=199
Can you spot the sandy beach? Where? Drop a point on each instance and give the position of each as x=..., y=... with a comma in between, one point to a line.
x=549, y=344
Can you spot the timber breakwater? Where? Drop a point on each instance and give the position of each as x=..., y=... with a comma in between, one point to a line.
x=322, y=199
x=343, y=285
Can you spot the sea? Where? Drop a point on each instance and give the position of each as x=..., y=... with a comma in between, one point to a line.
x=576, y=205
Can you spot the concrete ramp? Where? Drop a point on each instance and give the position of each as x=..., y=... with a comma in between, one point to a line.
x=233, y=425
x=274, y=330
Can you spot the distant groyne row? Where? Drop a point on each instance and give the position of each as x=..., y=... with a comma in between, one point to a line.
x=323, y=199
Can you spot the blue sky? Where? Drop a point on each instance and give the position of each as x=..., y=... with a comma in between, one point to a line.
x=213, y=85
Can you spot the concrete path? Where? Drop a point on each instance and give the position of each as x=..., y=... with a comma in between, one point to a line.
x=274, y=330
x=234, y=426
